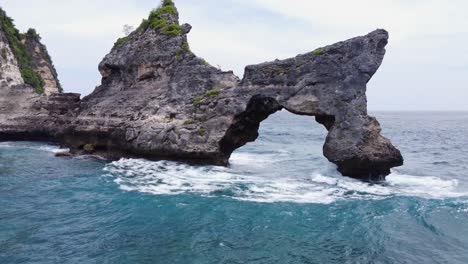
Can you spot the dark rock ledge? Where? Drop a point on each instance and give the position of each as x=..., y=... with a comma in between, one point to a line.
x=159, y=101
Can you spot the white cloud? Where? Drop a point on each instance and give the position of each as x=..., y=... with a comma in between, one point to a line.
x=402, y=17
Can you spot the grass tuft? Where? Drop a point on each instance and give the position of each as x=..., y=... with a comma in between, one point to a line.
x=318, y=51
x=202, y=131
x=213, y=92
x=189, y=122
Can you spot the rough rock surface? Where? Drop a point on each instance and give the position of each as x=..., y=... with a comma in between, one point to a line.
x=9, y=71
x=42, y=63
x=158, y=100
x=25, y=114
x=24, y=59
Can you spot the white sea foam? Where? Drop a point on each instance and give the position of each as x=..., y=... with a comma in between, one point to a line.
x=53, y=149
x=33, y=146
x=253, y=159
x=170, y=178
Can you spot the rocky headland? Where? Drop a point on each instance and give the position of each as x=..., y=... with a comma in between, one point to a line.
x=158, y=100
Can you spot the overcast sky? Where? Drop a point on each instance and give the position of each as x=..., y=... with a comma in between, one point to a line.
x=426, y=67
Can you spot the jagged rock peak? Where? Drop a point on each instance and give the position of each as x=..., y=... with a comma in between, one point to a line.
x=163, y=20
x=24, y=59
x=151, y=54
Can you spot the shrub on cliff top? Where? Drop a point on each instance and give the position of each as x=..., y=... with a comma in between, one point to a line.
x=33, y=34
x=24, y=59
x=159, y=19
x=120, y=42
x=318, y=51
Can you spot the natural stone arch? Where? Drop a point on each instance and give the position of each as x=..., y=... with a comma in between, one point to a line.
x=329, y=83
x=360, y=164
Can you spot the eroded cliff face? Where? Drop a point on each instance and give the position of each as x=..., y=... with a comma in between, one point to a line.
x=42, y=63
x=31, y=103
x=9, y=71
x=25, y=60
x=160, y=101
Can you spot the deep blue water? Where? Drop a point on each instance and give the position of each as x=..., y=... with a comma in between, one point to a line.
x=279, y=202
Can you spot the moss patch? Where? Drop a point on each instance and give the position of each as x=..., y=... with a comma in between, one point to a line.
x=185, y=49
x=209, y=94
x=197, y=100
x=189, y=122
x=213, y=92
x=318, y=51
x=89, y=148
x=202, y=131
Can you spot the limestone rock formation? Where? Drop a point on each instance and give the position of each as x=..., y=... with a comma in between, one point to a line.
x=160, y=101
x=31, y=103
x=25, y=60
x=41, y=62
x=9, y=70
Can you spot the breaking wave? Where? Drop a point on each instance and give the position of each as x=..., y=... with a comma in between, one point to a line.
x=171, y=178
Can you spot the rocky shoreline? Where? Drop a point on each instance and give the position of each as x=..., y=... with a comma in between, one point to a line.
x=158, y=100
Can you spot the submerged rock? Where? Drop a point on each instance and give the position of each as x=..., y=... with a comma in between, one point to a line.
x=160, y=101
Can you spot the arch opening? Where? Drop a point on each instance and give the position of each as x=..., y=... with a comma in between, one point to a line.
x=246, y=125
x=288, y=146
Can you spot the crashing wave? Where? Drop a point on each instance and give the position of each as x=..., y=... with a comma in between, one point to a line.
x=171, y=178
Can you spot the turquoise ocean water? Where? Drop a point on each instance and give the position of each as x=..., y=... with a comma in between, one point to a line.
x=280, y=201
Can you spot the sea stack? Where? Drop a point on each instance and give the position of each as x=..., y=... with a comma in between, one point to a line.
x=158, y=100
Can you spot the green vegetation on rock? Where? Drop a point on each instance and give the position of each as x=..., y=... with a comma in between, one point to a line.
x=32, y=78
x=32, y=34
x=173, y=30
x=211, y=93
x=89, y=148
x=189, y=122
x=197, y=100
x=159, y=19
x=185, y=49
x=318, y=51
x=202, y=131
x=120, y=42
x=24, y=59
